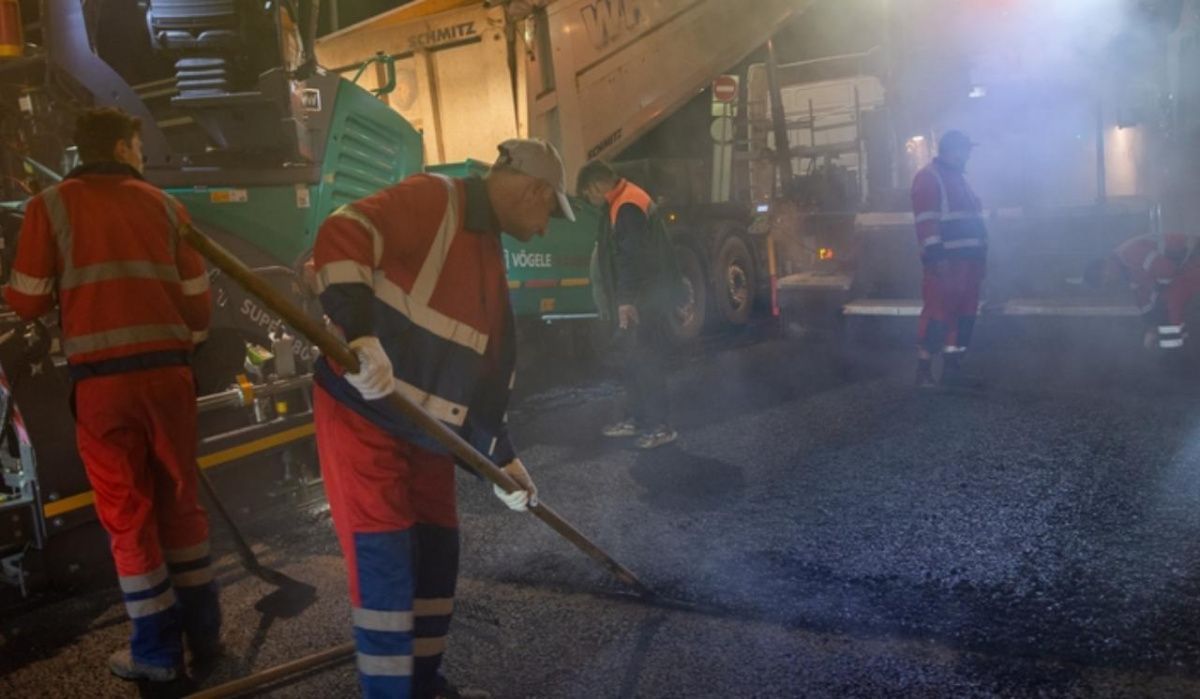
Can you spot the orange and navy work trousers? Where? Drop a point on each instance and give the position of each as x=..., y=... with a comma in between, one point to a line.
x=136, y=434
x=394, y=510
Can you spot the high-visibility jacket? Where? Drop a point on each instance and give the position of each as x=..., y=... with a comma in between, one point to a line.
x=107, y=243
x=1150, y=261
x=420, y=265
x=948, y=215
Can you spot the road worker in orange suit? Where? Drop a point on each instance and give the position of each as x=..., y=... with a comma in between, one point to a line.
x=414, y=278
x=953, y=241
x=133, y=301
x=1163, y=272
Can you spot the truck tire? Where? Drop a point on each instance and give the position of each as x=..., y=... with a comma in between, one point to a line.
x=734, y=281
x=688, y=321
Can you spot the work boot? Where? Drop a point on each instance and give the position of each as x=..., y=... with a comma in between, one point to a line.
x=205, y=651
x=657, y=437
x=124, y=666
x=624, y=428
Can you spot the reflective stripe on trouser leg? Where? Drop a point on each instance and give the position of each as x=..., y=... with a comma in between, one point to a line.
x=382, y=621
x=436, y=567
x=1170, y=336
x=199, y=601
x=154, y=610
x=113, y=427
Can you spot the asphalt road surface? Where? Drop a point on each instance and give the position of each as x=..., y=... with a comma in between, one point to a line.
x=821, y=529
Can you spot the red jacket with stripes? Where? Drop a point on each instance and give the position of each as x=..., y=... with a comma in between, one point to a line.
x=107, y=244
x=1147, y=259
x=421, y=266
x=948, y=215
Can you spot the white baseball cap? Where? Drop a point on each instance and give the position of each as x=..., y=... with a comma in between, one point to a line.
x=537, y=158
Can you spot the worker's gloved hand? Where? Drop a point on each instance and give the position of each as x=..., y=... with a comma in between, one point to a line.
x=627, y=316
x=374, y=377
x=518, y=500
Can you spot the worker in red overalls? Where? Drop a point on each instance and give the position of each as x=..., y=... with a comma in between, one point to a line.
x=1163, y=272
x=953, y=242
x=414, y=278
x=133, y=301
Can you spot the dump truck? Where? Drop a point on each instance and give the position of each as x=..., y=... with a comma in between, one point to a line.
x=243, y=125
x=593, y=77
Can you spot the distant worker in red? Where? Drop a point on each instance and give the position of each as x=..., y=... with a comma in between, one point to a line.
x=1163, y=272
x=953, y=240
x=133, y=302
x=414, y=278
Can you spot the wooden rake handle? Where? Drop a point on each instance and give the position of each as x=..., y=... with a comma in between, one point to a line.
x=331, y=346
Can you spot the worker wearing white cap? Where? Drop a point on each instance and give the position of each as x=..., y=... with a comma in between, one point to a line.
x=414, y=278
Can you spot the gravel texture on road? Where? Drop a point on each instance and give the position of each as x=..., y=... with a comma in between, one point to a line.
x=822, y=529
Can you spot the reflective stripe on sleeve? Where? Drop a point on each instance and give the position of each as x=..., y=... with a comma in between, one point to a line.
x=196, y=286
x=31, y=286
x=348, y=211
x=932, y=240
x=343, y=272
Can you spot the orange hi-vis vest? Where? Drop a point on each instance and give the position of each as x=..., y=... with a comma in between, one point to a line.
x=624, y=193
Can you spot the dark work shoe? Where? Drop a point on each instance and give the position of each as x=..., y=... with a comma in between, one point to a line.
x=449, y=691
x=124, y=666
x=925, y=379
x=205, y=651
x=658, y=437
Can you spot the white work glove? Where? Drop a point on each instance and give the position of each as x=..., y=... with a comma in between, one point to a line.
x=518, y=500
x=374, y=378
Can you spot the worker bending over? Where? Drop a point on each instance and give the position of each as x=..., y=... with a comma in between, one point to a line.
x=1164, y=274
x=414, y=278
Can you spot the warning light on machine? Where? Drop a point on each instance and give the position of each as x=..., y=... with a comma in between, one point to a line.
x=824, y=254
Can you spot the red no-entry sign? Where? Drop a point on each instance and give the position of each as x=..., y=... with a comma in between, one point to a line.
x=725, y=89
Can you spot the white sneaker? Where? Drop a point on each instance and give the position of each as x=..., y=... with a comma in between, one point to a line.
x=624, y=428
x=658, y=437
